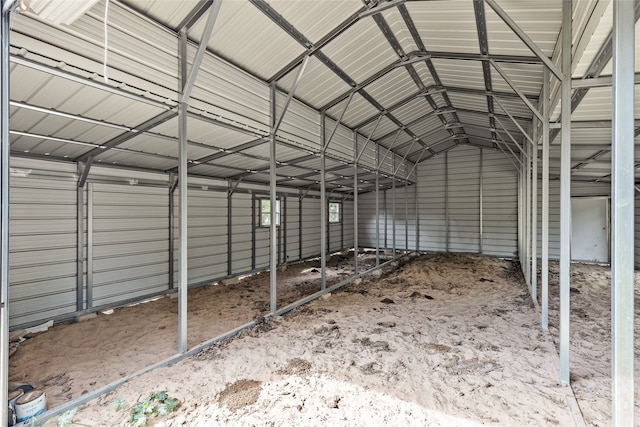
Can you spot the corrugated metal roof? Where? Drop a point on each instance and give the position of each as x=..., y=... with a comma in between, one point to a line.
x=361, y=50
x=56, y=115
x=540, y=20
x=318, y=85
x=446, y=26
x=315, y=19
x=250, y=39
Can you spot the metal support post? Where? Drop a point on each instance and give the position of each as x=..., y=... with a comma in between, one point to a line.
x=173, y=183
x=254, y=215
x=622, y=193
x=4, y=208
x=377, y=207
x=300, y=198
x=406, y=215
x=534, y=213
x=355, y=203
x=393, y=214
x=182, y=225
x=80, y=245
x=527, y=206
x=565, y=193
x=229, y=216
x=273, y=229
x=417, y=215
x=89, y=245
x=545, y=203
x=323, y=207
x=446, y=199
x=481, y=201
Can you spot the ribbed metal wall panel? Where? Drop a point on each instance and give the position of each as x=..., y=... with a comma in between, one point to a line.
x=636, y=253
x=293, y=229
x=404, y=219
x=431, y=204
x=42, y=242
x=464, y=199
x=347, y=219
x=300, y=124
x=206, y=234
x=310, y=227
x=367, y=219
x=130, y=236
x=241, y=224
x=499, y=205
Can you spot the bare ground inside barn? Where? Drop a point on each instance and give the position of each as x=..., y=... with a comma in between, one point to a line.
x=447, y=339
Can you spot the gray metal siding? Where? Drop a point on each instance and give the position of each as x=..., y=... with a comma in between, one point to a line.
x=347, y=219
x=42, y=261
x=293, y=230
x=241, y=223
x=431, y=204
x=130, y=242
x=499, y=205
x=636, y=254
x=310, y=227
x=367, y=220
x=464, y=199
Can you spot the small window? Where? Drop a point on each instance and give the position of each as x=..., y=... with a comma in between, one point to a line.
x=265, y=212
x=335, y=212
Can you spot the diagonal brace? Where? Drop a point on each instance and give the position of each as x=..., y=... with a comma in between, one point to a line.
x=522, y=96
x=335, y=128
x=525, y=38
x=202, y=48
x=291, y=92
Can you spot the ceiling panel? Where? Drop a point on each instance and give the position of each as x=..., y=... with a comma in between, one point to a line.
x=446, y=26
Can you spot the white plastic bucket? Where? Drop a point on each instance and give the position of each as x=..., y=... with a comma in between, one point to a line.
x=30, y=404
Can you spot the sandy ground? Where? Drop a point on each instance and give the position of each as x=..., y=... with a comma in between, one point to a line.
x=441, y=340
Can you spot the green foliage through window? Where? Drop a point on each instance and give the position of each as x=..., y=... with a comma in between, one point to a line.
x=265, y=212
x=334, y=212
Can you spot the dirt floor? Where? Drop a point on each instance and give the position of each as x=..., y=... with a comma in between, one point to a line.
x=444, y=339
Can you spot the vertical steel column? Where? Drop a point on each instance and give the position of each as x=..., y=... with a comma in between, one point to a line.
x=527, y=207
x=323, y=207
x=545, y=202
x=80, y=247
x=386, y=219
x=229, y=196
x=417, y=215
x=520, y=215
x=355, y=203
x=377, y=206
x=4, y=209
x=254, y=215
x=481, y=201
x=622, y=194
x=446, y=199
x=565, y=193
x=406, y=215
x=273, y=229
x=283, y=220
x=182, y=203
x=89, y=245
x=534, y=212
x=172, y=218
x=393, y=213
x=300, y=198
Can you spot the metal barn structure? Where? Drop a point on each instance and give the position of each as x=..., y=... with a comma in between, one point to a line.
x=141, y=139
